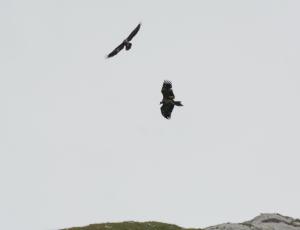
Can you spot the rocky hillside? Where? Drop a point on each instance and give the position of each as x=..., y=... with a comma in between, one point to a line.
x=261, y=222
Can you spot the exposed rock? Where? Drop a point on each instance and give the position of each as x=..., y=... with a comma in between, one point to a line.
x=263, y=222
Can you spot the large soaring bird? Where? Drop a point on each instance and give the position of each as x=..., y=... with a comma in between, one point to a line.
x=168, y=100
x=126, y=43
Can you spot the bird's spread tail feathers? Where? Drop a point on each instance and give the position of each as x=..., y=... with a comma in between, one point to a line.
x=128, y=46
x=178, y=103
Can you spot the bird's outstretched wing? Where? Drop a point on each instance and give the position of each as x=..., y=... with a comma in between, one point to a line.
x=134, y=32
x=116, y=50
x=166, y=110
x=167, y=91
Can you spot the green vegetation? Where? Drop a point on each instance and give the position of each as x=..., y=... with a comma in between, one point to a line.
x=131, y=225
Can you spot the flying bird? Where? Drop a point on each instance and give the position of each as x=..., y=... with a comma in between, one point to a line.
x=126, y=43
x=168, y=102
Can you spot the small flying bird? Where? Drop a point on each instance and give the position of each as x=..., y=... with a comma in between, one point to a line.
x=126, y=43
x=168, y=100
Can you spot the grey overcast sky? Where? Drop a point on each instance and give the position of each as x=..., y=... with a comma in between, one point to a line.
x=82, y=139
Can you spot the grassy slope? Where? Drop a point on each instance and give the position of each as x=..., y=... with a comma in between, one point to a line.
x=131, y=226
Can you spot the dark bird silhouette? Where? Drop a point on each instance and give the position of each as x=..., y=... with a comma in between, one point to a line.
x=168, y=102
x=126, y=43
